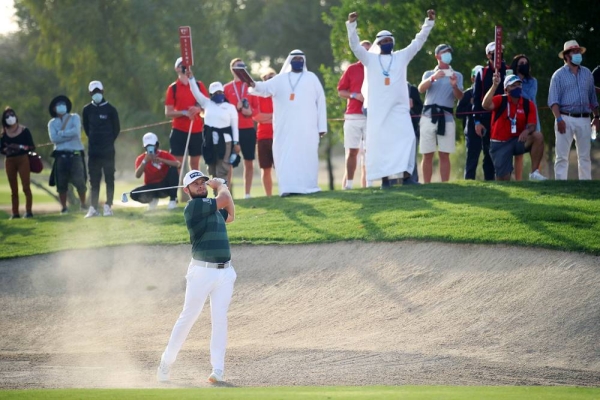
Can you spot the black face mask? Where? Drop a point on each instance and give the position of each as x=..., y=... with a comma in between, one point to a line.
x=523, y=69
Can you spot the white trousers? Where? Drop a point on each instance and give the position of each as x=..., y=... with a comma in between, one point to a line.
x=201, y=283
x=580, y=130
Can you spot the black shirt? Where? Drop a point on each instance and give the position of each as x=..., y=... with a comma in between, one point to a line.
x=24, y=138
x=101, y=125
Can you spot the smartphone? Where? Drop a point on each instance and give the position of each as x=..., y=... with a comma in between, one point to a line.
x=183, y=68
x=245, y=103
x=448, y=72
x=509, y=72
x=150, y=149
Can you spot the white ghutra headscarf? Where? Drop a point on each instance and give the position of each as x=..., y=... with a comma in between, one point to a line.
x=287, y=65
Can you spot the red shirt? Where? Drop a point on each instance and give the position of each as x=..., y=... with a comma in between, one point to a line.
x=183, y=101
x=262, y=105
x=232, y=97
x=501, y=127
x=155, y=172
x=352, y=80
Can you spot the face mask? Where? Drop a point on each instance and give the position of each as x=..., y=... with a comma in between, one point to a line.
x=386, y=48
x=11, y=120
x=297, y=65
x=61, y=109
x=516, y=92
x=576, y=59
x=97, y=97
x=218, y=98
x=523, y=69
x=446, y=58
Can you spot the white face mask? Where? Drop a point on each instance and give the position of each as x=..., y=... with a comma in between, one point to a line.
x=11, y=120
x=97, y=97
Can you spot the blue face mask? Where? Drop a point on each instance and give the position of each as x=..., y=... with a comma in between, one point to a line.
x=218, y=98
x=61, y=109
x=446, y=58
x=516, y=92
x=97, y=98
x=386, y=48
x=576, y=59
x=297, y=65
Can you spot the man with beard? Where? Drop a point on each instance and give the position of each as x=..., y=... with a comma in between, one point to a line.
x=210, y=272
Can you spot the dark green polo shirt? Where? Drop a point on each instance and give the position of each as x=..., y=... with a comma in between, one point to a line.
x=208, y=233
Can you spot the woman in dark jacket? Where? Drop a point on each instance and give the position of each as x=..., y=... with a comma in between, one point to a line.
x=15, y=143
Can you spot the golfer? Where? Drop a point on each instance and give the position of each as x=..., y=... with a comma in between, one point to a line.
x=210, y=272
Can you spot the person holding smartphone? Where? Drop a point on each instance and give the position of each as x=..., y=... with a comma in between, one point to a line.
x=160, y=170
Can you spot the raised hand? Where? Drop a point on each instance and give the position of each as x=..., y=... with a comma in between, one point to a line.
x=352, y=16
x=431, y=15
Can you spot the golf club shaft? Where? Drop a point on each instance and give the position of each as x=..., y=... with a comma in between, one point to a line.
x=153, y=190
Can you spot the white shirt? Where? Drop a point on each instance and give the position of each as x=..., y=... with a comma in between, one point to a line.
x=217, y=115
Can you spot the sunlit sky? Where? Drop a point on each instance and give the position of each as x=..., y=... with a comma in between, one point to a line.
x=7, y=12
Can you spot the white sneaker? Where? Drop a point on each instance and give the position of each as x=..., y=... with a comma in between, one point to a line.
x=216, y=376
x=163, y=373
x=153, y=203
x=247, y=196
x=107, y=211
x=172, y=205
x=91, y=213
x=536, y=176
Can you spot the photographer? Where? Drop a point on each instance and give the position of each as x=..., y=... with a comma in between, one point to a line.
x=160, y=171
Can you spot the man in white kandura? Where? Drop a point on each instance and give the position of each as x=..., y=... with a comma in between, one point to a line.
x=390, y=139
x=299, y=121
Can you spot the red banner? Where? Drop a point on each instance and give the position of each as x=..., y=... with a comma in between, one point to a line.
x=498, y=52
x=185, y=43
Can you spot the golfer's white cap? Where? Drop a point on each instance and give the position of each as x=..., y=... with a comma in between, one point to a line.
x=192, y=176
x=178, y=61
x=215, y=87
x=95, y=85
x=150, y=139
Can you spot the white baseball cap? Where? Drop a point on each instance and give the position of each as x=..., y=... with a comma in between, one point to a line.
x=491, y=47
x=192, y=176
x=178, y=61
x=511, y=79
x=95, y=85
x=150, y=139
x=215, y=87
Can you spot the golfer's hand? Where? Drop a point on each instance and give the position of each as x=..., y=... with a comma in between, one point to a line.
x=561, y=126
x=352, y=16
x=431, y=15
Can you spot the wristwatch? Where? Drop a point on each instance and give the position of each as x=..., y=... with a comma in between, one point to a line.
x=143, y=162
x=235, y=143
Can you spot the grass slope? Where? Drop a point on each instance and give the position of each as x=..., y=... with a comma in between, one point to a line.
x=556, y=215
x=316, y=393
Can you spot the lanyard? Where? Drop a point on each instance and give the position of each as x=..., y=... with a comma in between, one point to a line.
x=513, y=121
x=236, y=90
x=296, y=84
x=384, y=71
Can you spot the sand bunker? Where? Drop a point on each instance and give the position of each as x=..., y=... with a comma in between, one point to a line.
x=335, y=314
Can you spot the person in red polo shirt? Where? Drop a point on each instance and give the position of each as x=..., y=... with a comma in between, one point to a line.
x=513, y=128
x=262, y=114
x=160, y=171
x=355, y=122
x=236, y=93
x=180, y=105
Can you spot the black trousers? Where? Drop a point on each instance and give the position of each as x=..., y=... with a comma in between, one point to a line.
x=475, y=145
x=172, y=179
x=97, y=166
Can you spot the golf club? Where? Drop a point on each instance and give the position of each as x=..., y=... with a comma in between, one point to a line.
x=125, y=199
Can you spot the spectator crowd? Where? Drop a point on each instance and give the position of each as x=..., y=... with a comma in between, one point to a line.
x=280, y=120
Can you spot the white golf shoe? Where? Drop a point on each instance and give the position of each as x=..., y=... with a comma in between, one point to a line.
x=153, y=203
x=163, y=373
x=107, y=211
x=91, y=213
x=216, y=376
x=172, y=205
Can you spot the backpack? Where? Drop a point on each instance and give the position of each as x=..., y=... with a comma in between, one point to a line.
x=503, y=104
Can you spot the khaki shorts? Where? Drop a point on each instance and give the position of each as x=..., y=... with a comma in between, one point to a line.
x=355, y=132
x=431, y=141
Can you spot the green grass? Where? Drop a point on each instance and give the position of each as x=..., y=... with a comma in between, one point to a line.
x=318, y=393
x=555, y=215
